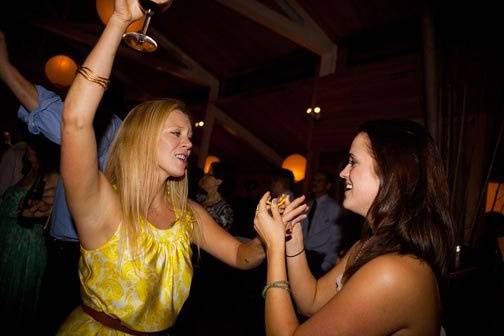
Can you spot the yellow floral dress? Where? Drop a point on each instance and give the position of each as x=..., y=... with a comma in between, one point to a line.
x=145, y=296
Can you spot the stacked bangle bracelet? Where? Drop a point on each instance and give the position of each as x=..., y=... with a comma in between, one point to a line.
x=92, y=77
x=276, y=284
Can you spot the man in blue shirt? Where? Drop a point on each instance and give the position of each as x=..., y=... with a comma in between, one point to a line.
x=41, y=110
x=321, y=232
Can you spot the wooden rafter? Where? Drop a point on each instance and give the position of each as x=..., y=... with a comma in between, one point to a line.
x=298, y=27
x=247, y=136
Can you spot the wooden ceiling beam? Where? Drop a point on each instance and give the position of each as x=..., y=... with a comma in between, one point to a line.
x=197, y=70
x=302, y=29
x=248, y=137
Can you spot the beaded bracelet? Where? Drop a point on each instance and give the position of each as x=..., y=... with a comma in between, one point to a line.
x=276, y=284
x=92, y=77
x=295, y=254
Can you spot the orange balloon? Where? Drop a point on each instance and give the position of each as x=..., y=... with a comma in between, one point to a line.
x=60, y=70
x=105, y=8
x=296, y=163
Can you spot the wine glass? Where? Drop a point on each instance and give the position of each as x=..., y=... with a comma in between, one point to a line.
x=140, y=40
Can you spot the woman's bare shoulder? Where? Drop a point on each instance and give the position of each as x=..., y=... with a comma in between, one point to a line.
x=406, y=280
x=399, y=270
x=389, y=293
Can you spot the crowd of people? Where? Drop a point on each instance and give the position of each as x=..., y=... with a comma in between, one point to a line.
x=106, y=238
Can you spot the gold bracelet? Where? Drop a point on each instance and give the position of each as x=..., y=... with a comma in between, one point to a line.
x=276, y=284
x=90, y=76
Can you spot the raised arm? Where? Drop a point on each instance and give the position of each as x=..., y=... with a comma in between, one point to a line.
x=225, y=247
x=40, y=109
x=90, y=197
x=309, y=293
x=23, y=89
x=280, y=315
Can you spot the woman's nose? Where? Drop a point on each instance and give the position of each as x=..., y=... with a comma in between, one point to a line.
x=344, y=173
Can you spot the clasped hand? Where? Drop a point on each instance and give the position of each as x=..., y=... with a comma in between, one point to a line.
x=273, y=224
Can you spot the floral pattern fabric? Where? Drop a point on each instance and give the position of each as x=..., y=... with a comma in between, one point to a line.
x=146, y=296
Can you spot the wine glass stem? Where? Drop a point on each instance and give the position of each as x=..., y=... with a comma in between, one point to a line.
x=148, y=16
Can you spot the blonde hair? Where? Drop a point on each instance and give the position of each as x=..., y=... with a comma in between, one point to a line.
x=132, y=168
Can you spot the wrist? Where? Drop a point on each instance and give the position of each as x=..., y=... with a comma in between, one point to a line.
x=120, y=21
x=276, y=251
x=5, y=70
x=295, y=254
x=294, y=245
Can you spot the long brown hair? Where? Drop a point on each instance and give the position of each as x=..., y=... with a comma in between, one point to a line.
x=410, y=214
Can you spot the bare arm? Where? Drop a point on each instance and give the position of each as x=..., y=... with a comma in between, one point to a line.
x=388, y=294
x=90, y=197
x=280, y=316
x=225, y=247
x=309, y=293
x=23, y=89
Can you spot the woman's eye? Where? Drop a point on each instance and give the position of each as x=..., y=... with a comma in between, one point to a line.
x=176, y=133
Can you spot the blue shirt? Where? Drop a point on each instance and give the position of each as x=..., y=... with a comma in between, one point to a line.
x=325, y=233
x=46, y=119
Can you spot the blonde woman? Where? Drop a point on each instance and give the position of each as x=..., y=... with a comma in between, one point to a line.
x=134, y=221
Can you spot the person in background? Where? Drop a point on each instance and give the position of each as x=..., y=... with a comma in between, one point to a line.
x=322, y=233
x=213, y=185
x=389, y=283
x=24, y=211
x=11, y=159
x=282, y=183
x=41, y=110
